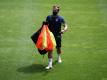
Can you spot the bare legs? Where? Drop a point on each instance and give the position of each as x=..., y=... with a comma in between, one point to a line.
x=50, y=56
x=49, y=60
x=59, y=55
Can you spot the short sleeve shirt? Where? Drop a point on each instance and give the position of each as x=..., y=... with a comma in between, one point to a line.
x=55, y=24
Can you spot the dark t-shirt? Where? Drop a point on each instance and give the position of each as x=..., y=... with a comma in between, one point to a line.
x=55, y=24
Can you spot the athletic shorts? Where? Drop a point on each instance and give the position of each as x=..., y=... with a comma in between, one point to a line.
x=58, y=41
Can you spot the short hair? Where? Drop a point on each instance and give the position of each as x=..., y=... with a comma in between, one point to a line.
x=57, y=7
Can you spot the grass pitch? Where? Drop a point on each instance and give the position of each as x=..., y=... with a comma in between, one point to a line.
x=84, y=45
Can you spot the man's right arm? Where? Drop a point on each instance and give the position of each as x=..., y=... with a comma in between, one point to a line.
x=47, y=18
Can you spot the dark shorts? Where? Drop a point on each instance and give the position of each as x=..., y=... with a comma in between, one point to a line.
x=58, y=41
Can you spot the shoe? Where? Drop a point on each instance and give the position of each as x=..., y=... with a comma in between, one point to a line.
x=59, y=61
x=49, y=64
x=48, y=67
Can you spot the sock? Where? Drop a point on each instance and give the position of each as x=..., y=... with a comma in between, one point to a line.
x=59, y=57
x=50, y=62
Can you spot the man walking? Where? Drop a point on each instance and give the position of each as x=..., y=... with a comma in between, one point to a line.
x=55, y=22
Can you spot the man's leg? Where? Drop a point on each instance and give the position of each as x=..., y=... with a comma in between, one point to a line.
x=49, y=60
x=58, y=47
x=59, y=54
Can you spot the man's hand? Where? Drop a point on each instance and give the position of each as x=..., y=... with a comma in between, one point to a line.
x=65, y=28
x=62, y=31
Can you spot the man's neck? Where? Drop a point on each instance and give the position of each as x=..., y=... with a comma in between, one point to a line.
x=54, y=15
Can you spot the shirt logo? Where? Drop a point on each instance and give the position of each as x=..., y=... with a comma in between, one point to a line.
x=56, y=20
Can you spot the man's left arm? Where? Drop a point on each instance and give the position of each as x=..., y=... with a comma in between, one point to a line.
x=65, y=27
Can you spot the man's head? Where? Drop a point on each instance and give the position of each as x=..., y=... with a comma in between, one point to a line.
x=55, y=10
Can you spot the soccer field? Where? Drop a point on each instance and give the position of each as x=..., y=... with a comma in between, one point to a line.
x=84, y=45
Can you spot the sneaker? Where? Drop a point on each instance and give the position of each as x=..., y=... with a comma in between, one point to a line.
x=48, y=67
x=59, y=61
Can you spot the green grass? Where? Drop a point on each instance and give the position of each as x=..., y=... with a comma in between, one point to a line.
x=84, y=45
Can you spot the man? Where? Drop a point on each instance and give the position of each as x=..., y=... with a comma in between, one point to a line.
x=55, y=22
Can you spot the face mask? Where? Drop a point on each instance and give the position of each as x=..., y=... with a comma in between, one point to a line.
x=54, y=13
